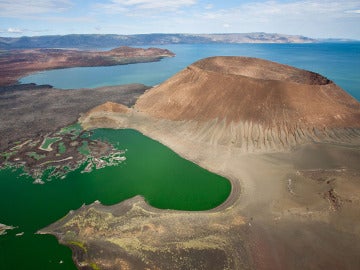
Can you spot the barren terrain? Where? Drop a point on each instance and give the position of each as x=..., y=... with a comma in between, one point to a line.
x=15, y=64
x=287, y=139
x=28, y=111
x=37, y=132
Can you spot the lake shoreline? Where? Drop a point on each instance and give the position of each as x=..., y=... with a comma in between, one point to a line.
x=35, y=60
x=261, y=206
x=289, y=208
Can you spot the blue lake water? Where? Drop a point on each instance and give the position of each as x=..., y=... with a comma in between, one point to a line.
x=339, y=62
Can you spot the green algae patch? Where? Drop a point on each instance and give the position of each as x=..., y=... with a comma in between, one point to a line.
x=84, y=149
x=74, y=129
x=79, y=245
x=94, y=266
x=19, y=145
x=35, y=155
x=85, y=135
x=61, y=148
x=7, y=155
x=47, y=142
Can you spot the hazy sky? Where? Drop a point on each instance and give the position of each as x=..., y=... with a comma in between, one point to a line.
x=313, y=18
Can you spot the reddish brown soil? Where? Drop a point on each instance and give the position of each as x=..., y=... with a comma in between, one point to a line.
x=247, y=89
x=15, y=64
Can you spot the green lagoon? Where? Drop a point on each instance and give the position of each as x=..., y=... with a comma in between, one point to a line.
x=152, y=170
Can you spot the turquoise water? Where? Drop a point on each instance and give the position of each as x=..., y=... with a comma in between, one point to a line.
x=151, y=170
x=339, y=62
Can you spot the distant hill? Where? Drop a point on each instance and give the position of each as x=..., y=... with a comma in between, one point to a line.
x=96, y=41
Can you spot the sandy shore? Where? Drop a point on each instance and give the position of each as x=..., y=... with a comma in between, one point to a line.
x=295, y=209
x=231, y=162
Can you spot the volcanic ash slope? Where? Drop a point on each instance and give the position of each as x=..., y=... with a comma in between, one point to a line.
x=253, y=104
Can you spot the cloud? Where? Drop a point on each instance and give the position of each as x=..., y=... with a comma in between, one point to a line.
x=314, y=18
x=356, y=11
x=154, y=6
x=11, y=8
x=14, y=30
x=18, y=31
x=301, y=10
x=63, y=19
x=209, y=6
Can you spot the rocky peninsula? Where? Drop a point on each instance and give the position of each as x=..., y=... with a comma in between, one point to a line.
x=15, y=64
x=287, y=139
x=38, y=110
x=46, y=134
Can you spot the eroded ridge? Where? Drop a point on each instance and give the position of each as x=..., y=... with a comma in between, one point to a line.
x=246, y=137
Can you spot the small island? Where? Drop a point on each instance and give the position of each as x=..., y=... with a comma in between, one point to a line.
x=4, y=228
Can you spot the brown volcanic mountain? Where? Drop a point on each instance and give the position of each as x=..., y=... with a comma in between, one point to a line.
x=254, y=102
x=248, y=89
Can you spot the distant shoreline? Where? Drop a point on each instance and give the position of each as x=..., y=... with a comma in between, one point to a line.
x=112, y=40
x=15, y=64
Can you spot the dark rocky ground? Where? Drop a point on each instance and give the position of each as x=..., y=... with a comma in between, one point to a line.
x=28, y=111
